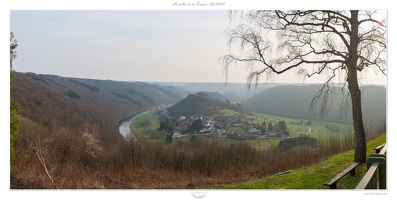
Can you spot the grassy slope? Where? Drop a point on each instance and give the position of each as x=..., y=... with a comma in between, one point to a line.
x=312, y=177
x=137, y=126
x=228, y=112
x=318, y=127
x=319, y=130
x=151, y=116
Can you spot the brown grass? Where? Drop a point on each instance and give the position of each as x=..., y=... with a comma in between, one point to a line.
x=77, y=163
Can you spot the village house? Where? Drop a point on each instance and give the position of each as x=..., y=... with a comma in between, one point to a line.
x=177, y=134
x=238, y=125
x=254, y=131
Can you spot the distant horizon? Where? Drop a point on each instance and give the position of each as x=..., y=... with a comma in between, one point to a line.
x=184, y=82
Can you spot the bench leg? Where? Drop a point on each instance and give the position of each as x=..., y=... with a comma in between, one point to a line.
x=353, y=172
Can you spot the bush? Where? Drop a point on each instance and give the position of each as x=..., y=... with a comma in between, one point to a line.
x=296, y=141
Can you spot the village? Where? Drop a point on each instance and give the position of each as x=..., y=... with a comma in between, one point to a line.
x=236, y=127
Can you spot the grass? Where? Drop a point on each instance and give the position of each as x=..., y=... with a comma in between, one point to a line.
x=319, y=130
x=236, y=129
x=139, y=127
x=312, y=177
x=228, y=112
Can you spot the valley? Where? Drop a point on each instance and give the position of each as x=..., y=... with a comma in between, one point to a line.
x=197, y=98
x=230, y=127
x=82, y=127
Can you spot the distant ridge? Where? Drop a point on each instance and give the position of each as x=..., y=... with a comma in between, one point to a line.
x=234, y=91
x=294, y=101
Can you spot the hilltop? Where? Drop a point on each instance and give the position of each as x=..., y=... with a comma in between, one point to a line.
x=207, y=103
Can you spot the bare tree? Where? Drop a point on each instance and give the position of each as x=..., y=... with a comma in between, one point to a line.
x=335, y=44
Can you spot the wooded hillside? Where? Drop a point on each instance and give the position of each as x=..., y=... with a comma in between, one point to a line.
x=294, y=101
x=55, y=101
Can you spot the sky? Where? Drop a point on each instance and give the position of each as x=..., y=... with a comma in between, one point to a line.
x=137, y=45
x=148, y=41
x=133, y=45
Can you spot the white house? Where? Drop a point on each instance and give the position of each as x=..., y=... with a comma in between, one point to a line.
x=176, y=134
x=254, y=131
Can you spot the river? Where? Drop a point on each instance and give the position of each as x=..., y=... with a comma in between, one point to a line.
x=124, y=128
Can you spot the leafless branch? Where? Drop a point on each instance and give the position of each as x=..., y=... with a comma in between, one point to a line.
x=39, y=154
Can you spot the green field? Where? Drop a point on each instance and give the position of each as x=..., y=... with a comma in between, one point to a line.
x=228, y=112
x=319, y=129
x=146, y=125
x=236, y=129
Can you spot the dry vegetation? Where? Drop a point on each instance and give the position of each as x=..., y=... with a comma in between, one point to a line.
x=72, y=143
x=67, y=159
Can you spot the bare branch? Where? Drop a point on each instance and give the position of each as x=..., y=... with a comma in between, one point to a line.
x=323, y=95
x=39, y=154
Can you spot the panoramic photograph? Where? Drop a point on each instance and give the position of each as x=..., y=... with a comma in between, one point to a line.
x=199, y=100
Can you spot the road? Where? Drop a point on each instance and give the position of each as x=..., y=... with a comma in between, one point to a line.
x=308, y=129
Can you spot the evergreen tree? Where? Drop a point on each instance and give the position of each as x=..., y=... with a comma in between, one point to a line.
x=263, y=127
x=282, y=125
x=14, y=120
x=270, y=127
x=196, y=125
x=168, y=138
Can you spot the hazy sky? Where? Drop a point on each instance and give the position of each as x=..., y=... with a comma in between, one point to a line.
x=136, y=45
x=122, y=45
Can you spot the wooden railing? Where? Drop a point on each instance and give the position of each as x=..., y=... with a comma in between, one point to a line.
x=375, y=178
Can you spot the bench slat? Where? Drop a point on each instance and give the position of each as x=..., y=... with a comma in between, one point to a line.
x=378, y=148
x=332, y=182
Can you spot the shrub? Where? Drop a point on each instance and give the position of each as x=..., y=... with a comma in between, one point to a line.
x=296, y=141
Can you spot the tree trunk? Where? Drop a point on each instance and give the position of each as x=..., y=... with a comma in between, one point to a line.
x=360, y=150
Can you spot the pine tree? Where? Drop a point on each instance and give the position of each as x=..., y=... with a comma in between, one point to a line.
x=14, y=120
x=270, y=127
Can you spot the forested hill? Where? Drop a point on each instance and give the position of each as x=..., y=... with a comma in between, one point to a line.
x=207, y=103
x=234, y=92
x=55, y=102
x=294, y=101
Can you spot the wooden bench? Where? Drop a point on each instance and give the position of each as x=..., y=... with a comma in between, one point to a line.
x=332, y=182
x=379, y=148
